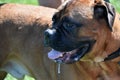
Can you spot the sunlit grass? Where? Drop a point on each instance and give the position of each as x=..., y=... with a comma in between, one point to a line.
x=9, y=77
x=33, y=2
x=116, y=4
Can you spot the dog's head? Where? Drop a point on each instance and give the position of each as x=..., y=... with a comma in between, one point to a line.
x=79, y=28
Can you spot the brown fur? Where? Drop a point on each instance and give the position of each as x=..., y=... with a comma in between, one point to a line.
x=21, y=40
x=21, y=45
x=92, y=66
x=107, y=41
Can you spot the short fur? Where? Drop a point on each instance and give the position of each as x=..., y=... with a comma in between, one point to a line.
x=22, y=50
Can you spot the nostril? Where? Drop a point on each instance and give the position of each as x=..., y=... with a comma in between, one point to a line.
x=49, y=32
x=47, y=35
x=46, y=38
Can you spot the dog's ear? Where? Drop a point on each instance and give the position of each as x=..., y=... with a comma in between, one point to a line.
x=105, y=11
x=107, y=0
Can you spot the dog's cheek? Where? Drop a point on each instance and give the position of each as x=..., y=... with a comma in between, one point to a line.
x=87, y=33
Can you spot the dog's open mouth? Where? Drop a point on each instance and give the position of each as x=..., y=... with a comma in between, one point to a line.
x=70, y=56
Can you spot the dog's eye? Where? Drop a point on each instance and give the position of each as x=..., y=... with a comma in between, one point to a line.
x=69, y=25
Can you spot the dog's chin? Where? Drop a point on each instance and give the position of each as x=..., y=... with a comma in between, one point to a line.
x=70, y=56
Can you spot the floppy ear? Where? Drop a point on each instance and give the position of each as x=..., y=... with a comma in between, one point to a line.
x=107, y=0
x=105, y=11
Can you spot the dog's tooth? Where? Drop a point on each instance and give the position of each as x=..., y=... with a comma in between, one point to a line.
x=61, y=55
x=76, y=59
x=68, y=52
x=55, y=61
x=99, y=59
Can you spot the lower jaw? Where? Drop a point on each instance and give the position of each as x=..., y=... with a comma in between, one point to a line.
x=74, y=57
x=80, y=55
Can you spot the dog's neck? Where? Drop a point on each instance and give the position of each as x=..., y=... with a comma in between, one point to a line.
x=115, y=39
x=112, y=49
x=111, y=45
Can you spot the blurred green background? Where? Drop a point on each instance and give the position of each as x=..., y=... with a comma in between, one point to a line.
x=33, y=2
x=116, y=4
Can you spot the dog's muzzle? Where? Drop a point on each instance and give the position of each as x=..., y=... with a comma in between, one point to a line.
x=66, y=56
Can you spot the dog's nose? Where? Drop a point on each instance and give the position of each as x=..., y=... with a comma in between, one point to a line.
x=48, y=33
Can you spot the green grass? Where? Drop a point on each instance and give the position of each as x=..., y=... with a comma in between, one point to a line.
x=116, y=4
x=33, y=2
x=9, y=77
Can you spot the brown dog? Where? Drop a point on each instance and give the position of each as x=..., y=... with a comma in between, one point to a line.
x=86, y=30
x=21, y=41
x=22, y=50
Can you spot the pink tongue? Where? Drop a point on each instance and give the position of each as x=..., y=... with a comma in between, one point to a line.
x=53, y=54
